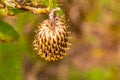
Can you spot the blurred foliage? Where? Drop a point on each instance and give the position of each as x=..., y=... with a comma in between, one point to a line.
x=7, y=33
x=49, y=3
x=94, y=55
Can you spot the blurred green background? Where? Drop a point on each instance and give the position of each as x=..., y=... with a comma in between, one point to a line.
x=93, y=55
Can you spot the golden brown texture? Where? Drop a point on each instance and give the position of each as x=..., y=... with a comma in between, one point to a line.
x=51, y=39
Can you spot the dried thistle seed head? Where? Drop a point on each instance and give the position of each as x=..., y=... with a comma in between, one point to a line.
x=51, y=39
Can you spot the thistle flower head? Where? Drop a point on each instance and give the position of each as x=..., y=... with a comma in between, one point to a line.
x=51, y=39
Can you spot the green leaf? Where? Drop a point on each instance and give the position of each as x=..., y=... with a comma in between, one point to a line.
x=11, y=60
x=7, y=32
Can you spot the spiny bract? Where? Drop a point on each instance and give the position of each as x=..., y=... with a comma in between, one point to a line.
x=51, y=39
